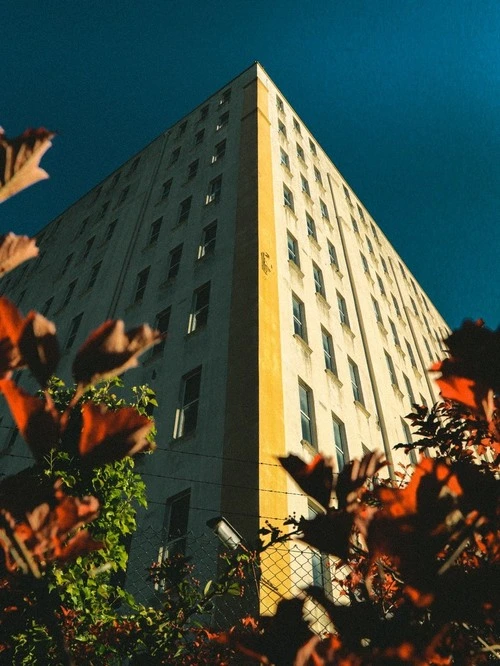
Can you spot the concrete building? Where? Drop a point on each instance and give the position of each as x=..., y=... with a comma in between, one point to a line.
x=293, y=325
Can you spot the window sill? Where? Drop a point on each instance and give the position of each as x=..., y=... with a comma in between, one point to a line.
x=314, y=242
x=348, y=330
x=308, y=446
x=369, y=278
x=303, y=344
x=322, y=301
x=416, y=372
x=148, y=247
x=397, y=391
x=337, y=270
x=308, y=198
x=400, y=351
x=167, y=283
x=183, y=438
x=333, y=377
x=204, y=257
x=362, y=408
x=197, y=331
x=287, y=170
x=133, y=305
x=295, y=268
x=290, y=211
x=382, y=328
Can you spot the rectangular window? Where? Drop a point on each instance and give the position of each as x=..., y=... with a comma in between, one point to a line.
x=154, y=231
x=354, y=225
x=412, y=454
x=161, y=324
x=396, y=306
x=306, y=413
x=409, y=390
x=220, y=151
x=192, y=170
x=46, y=307
x=184, y=210
x=105, y=206
x=279, y=104
x=364, y=261
x=69, y=293
x=66, y=264
x=208, y=238
x=384, y=265
x=175, y=155
x=360, y=213
x=381, y=285
x=410, y=354
x=414, y=306
x=199, y=309
x=324, y=210
x=93, y=275
x=198, y=137
x=214, y=190
x=296, y=126
x=300, y=152
x=293, y=249
x=165, y=188
x=355, y=381
x=305, y=185
x=284, y=159
x=182, y=128
x=311, y=227
x=288, y=198
x=142, y=281
x=403, y=272
x=83, y=226
x=374, y=231
x=317, y=176
x=204, y=112
x=426, y=324
x=347, y=194
x=369, y=245
x=73, y=330
x=392, y=371
x=319, y=283
x=225, y=97
x=332, y=253
x=110, y=230
x=312, y=147
x=176, y=525
x=88, y=247
x=340, y=443
x=223, y=121
x=328, y=351
x=299, y=318
x=342, y=305
x=123, y=195
x=394, y=331
x=281, y=129
x=187, y=414
x=429, y=351
x=175, y=262
x=376, y=310
x=134, y=166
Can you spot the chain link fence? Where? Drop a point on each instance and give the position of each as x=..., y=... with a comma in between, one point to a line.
x=283, y=571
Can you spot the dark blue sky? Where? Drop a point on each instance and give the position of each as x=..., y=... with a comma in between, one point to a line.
x=404, y=95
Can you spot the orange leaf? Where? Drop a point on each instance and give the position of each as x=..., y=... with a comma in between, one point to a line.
x=80, y=544
x=20, y=158
x=110, y=350
x=11, y=325
x=37, y=420
x=108, y=436
x=39, y=346
x=14, y=250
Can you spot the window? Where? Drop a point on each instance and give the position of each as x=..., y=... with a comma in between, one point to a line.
x=355, y=381
x=354, y=225
x=220, y=151
x=279, y=104
x=199, y=309
x=105, y=206
x=83, y=226
x=293, y=249
x=175, y=261
x=184, y=209
x=142, y=280
x=204, y=112
x=324, y=210
x=410, y=354
x=123, y=195
x=320, y=564
x=381, y=285
x=403, y=272
x=176, y=525
x=340, y=443
x=392, y=371
x=396, y=306
x=395, y=335
x=332, y=253
x=187, y=414
x=166, y=187
x=376, y=310
x=426, y=324
x=366, y=267
x=425, y=303
x=182, y=128
x=223, y=121
x=73, y=330
x=423, y=401
x=300, y=152
x=192, y=170
x=88, y=247
x=208, y=237
x=46, y=306
x=360, y=213
x=154, y=231
x=311, y=227
x=161, y=324
x=284, y=159
x=175, y=155
x=408, y=440
x=69, y=293
x=299, y=318
x=429, y=352
x=347, y=194
x=319, y=283
x=214, y=190
x=409, y=390
x=134, y=166
x=296, y=126
x=198, y=137
x=225, y=98
x=66, y=264
x=281, y=129
x=305, y=185
x=306, y=413
x=328, y=351
x=317, y=176
x=369, y=245
x=384, y=265
x=110, y=230
x=344, y=319
x=312, y=147
x=93, y=275
x=288, y=198
x=374, y=231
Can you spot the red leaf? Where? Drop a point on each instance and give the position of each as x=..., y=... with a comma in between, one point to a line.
x=14, y=250
x=108, y=436
x=39, y=346
x=315, y=478
x=20, y=158
x=37, y=420
x=11, y=325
